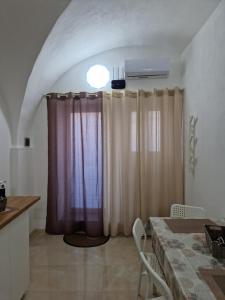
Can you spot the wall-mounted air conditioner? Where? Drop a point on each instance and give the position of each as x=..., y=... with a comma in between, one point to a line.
x=144, y=68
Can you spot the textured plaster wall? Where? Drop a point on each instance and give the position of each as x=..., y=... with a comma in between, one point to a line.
x=204, y=82
x=24, y=26
x=75, y=78
x=87, y=28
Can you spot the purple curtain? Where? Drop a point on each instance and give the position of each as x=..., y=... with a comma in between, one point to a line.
x=75, y=164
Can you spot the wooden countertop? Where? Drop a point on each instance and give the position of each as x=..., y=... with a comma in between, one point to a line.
x=17, y=206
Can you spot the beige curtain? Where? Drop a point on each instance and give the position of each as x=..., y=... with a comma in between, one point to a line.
x=161, y=157
x=143, y=159
x=121, y=162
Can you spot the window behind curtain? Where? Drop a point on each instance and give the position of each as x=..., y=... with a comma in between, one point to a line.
x=153, y=131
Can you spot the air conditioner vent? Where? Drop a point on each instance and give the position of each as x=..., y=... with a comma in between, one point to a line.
x=143, y=68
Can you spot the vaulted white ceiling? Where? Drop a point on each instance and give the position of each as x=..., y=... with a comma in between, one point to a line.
x=24, y=27
x=84, y=29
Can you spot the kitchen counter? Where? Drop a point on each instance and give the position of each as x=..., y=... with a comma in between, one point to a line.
x=14, y=247
x=15, y=207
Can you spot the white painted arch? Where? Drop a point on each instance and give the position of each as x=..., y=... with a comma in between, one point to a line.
x=24, y=27
x=4, y=111
x=89, y=27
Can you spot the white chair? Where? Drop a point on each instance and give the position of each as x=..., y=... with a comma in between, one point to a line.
x=158, y=282
x=186, y=211
x=139, y=235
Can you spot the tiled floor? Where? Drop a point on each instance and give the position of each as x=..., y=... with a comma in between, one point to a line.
x=62, y=272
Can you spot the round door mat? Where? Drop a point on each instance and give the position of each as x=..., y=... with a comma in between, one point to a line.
x=82, y=240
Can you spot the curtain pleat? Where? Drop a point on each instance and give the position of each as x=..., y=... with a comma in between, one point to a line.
x=75, y=164
x=121, y=193
x=161, y=159
x=113, y=159
x=143, y=157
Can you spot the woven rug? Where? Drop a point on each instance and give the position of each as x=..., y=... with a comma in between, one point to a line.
x=82, y=240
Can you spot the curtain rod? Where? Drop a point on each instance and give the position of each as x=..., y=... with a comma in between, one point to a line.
x=58, y=95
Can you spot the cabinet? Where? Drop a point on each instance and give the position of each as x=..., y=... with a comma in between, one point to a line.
x=14, y=258
x=4, y=266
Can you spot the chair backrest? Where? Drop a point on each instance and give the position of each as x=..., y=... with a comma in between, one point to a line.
x=159, y=283
x=139, y=234
x=186, y=211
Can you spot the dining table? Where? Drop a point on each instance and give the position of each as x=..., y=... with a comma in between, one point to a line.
x=189, y=268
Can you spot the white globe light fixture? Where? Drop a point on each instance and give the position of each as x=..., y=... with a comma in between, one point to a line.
x=98, y=76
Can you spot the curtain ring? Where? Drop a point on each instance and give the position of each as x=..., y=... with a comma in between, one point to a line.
x=77, y=97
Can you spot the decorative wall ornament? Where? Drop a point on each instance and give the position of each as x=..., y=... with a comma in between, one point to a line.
x=192, y=144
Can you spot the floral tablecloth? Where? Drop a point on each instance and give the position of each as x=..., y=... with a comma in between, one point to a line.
x=180, y=256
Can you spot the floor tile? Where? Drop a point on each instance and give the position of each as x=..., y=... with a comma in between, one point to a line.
x=60, y=271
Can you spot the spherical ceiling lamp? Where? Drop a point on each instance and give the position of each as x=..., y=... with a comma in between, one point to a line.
x=98, y=76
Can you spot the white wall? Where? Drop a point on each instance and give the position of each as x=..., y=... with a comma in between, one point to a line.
x=89, y=27
x=24, y=26
x=40, y=164
x=4, y=151
x=75, y=80
x=204, y=82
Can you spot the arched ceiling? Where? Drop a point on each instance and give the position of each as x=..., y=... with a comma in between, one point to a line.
x=24, y=27
x=89, y=27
